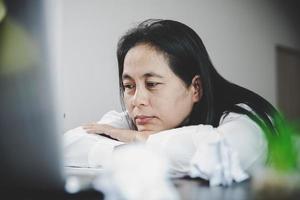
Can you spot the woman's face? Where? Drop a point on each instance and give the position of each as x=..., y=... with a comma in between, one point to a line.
x=156, y=99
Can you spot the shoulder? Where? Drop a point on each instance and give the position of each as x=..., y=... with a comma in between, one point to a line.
x=245, y=136
x=237, y=127
x=237, y=131
x=232, y=115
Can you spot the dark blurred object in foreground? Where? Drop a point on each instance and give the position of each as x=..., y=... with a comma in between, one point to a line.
x=29, y=150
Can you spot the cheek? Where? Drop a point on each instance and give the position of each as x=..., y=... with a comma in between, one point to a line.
x=173, y=109
x=128, y=104
x=126, y=100
x=176, y=100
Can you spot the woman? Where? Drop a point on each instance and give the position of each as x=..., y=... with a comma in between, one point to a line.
x=175, y=101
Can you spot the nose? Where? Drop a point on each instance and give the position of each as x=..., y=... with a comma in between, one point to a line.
x=140, y=97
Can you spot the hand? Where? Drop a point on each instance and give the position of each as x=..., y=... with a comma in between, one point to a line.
x=123, y=135
x=96, y=128
x=100, y=129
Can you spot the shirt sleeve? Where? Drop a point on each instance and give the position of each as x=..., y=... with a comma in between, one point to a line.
x=115, y=119
x=90, y=150
x=221, y=155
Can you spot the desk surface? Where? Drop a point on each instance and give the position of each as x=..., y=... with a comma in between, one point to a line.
x=188, y=189
x=199, y=189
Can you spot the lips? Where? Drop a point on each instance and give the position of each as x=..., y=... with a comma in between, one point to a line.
x=142, y=119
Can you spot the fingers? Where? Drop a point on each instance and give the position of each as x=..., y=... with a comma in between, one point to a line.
x=91, y=131
x=92, y=127
x=109, y=131
x=100, y=129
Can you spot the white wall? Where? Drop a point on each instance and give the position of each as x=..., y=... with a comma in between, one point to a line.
x=239, y=35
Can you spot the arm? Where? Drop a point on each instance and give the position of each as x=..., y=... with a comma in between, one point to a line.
x=91, y=150
x=221, y=155
x=123, y=135
x=115, y=126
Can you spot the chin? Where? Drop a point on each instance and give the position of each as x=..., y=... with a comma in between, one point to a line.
x=144, y=129
x=150, y=128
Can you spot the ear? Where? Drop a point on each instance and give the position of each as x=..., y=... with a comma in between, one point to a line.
x=196, y=87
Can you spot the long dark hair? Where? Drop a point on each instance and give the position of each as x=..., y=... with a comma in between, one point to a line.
x=187, y=57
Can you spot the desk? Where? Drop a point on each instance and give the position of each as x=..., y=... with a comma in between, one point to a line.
x=188, y=189
x=198, y=189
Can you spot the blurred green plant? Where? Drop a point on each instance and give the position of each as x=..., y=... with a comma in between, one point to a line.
x=283, y=149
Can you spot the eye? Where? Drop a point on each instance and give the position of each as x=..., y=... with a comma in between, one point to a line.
x=151, y=85
x=128, y=86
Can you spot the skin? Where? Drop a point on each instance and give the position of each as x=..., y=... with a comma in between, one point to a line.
x=155, y=98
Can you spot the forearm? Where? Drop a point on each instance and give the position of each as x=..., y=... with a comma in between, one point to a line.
x=128, y=136
x=124, y=135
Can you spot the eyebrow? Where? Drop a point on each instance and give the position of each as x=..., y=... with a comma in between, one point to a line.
x=147, y=75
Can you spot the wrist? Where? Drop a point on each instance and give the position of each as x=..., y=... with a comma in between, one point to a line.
x=108, y=129
x=139, y=137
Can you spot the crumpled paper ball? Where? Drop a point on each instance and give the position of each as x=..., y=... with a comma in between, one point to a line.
x=135, y=173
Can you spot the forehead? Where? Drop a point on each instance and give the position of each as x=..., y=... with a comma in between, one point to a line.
x=144, y=59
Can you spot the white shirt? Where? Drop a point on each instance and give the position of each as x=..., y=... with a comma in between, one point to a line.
x=230, y=152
